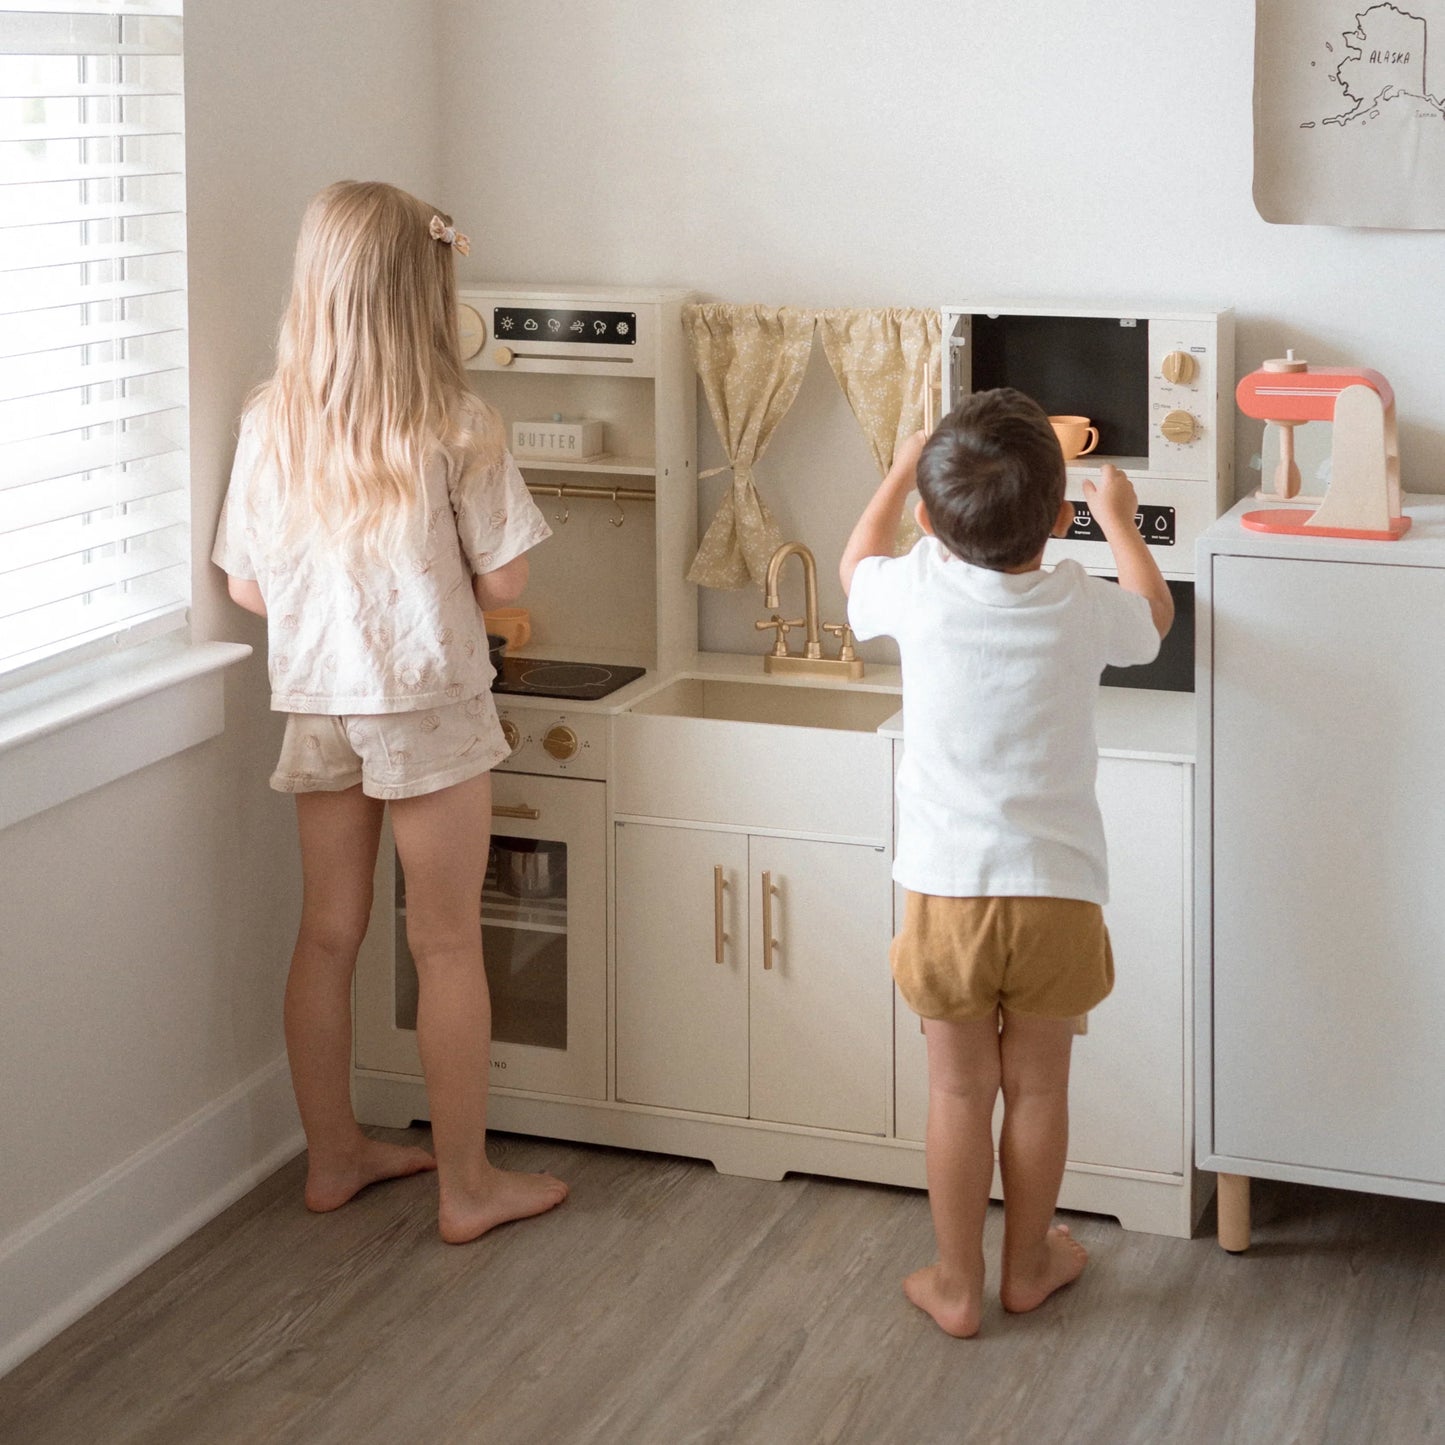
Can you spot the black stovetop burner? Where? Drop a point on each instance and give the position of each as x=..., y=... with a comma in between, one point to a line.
x=576, y=681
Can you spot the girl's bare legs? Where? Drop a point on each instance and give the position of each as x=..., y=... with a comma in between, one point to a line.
x=1033, y=1145
x=963, y=1083
x=441, y=839
x=339, y=833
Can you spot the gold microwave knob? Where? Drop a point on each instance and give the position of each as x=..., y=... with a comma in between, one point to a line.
x=560, y=742
x=511, y=732
x=1179, y=426
x=1179, y=368
x=503, y=355
x=471, y=331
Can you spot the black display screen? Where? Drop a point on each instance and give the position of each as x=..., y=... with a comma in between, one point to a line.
x=548, y=323
x=1093, y=366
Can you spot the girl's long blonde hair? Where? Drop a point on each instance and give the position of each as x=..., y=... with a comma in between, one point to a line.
x=369, y=379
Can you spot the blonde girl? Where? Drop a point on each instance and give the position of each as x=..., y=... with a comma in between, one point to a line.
x=373, y=513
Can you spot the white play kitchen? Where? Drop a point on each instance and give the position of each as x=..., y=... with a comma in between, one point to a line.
x=687, y=920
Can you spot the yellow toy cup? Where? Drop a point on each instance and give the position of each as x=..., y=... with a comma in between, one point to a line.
x=1076, y=437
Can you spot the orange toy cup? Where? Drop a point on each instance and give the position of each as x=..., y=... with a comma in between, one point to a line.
x=513, y=623
x=1076, y=437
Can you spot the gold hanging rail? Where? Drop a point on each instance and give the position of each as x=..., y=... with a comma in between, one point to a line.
x=599, y=494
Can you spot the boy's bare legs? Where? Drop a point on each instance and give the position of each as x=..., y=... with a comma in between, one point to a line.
x=1033, y=1145
x=963, y=1083
x=339, y=833
x=442, y=839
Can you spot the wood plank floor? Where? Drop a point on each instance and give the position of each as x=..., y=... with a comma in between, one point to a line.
x=667, y=1303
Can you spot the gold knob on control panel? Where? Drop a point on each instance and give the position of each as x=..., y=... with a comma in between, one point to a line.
x=560, y=742
x=1179, y=368
x=511, y=732
x=503, y=355
x=471, y=330
x=1179, y=426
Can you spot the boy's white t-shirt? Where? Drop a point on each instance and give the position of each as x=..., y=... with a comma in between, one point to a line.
x=1000, y=680
x=348, y=636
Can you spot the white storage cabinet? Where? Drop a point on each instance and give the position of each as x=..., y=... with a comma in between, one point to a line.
x=1321, y=980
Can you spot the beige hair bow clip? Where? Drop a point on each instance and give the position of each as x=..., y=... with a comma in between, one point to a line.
x=450, y=236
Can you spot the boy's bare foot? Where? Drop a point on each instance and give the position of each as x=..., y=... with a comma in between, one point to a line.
x=956, y=1309
x=505, y=1196
x=1028, y=1282
x=330, y=1185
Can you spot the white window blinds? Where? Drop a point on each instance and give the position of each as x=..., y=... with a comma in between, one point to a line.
x=94, y=534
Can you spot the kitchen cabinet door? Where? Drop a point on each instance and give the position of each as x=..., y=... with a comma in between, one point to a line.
x=1328, y=964
x=1126, y=1085
x=820, y=1016
x=682, y=1016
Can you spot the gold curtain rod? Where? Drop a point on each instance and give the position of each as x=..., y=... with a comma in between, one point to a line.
x=600, y=494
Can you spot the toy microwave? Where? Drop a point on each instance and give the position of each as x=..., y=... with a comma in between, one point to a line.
x=1153, y=391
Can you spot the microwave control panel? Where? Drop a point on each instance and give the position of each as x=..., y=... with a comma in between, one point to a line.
x=1157, y=385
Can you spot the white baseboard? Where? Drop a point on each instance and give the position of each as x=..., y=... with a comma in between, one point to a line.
x=84, y=1248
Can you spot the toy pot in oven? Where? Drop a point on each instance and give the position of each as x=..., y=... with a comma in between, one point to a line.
x=496, y=646
x=531, y=867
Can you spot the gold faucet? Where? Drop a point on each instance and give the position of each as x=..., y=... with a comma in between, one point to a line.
x=846, y=664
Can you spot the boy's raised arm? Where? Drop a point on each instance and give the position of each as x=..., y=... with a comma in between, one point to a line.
x=875, y=530
x=1113, y=502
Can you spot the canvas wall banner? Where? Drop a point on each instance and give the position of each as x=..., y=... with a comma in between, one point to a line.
x=1349, y=113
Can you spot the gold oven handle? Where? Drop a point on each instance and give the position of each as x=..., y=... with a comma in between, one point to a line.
x=768, y=944
x=515, y=810
x=719, y=937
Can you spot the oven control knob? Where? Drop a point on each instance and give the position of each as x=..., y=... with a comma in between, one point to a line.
x=471, y=331
x=511, y=732
x=1179, y=368
x=503, y=355
x=560, y=742
x=1179, y=426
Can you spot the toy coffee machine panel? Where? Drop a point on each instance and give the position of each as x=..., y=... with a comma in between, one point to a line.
x=1149, y=391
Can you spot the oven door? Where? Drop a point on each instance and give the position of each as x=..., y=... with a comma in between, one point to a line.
x=544, y=917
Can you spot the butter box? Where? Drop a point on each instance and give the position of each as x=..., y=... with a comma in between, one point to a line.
x=560, y=439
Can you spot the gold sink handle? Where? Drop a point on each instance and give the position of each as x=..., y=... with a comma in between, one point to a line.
x=784, y=626
x=844, y=633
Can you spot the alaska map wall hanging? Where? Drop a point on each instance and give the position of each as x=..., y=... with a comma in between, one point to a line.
x=1349, y=113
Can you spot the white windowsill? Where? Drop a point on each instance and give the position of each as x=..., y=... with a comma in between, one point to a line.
x=79, y=729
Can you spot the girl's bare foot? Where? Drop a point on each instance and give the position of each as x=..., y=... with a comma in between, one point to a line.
x=330, y=1184
x=1029, y=1281
x=956, y=1309
x=503, y=1196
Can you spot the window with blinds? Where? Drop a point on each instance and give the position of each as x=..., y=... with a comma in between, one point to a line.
x=94, y=527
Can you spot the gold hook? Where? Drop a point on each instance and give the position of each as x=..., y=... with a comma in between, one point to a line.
x=561, y=517
x=621, y=516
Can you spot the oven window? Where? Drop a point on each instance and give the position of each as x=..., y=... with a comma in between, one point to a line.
x=1072, y=366
x=524, y=944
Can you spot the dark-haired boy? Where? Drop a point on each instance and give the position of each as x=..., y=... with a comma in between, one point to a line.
x=1000, y=841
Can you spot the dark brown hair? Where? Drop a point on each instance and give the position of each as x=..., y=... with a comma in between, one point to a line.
x=992, y=479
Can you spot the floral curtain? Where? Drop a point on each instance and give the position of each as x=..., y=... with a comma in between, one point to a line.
x=886, y=362
x=751, y=360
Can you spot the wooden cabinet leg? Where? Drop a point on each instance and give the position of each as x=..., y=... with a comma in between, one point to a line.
x=1233, y=1206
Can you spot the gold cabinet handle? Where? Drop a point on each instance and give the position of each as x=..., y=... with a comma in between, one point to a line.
x=719, y=937
x=768, y=944
x=515, y=810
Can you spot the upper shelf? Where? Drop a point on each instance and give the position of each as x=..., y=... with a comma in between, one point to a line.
x=605, y=465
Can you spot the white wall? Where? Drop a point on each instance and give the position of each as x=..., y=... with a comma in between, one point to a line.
x=845, y=152
x=146, y=926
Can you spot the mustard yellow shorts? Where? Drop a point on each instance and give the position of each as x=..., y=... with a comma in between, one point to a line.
x=391, y=754
x=962, y=958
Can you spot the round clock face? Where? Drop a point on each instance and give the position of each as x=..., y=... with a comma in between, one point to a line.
x=471, y=331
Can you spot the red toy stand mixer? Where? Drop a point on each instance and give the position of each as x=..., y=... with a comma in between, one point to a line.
x=1363, y=498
